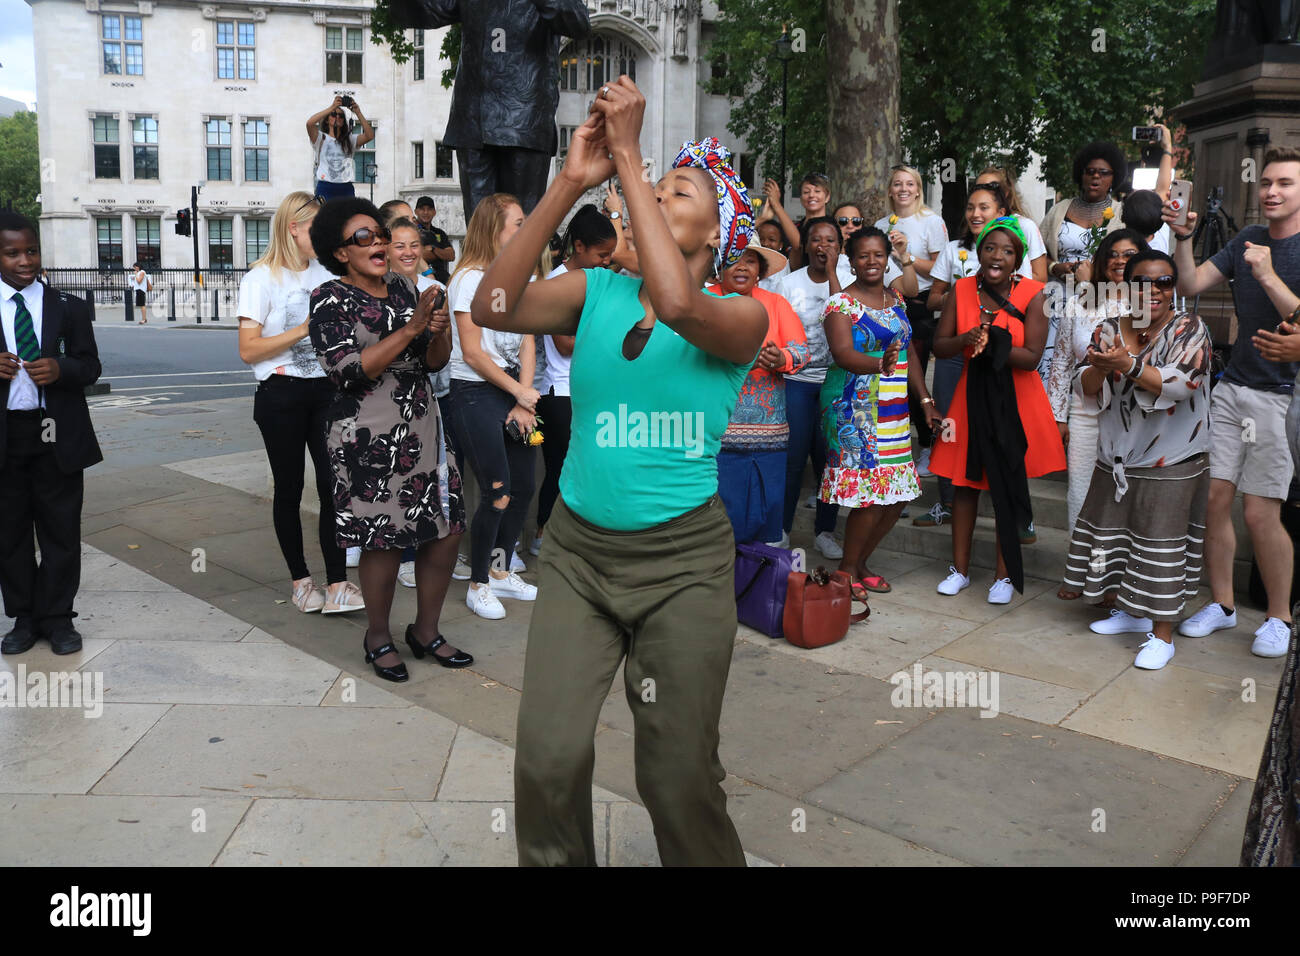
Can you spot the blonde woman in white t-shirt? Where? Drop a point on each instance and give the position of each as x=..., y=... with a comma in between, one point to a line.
x=293, y=397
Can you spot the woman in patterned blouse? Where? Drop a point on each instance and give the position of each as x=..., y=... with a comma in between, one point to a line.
x=394, y=485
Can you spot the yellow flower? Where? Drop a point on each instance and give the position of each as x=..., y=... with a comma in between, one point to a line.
x=535, y=438
x=893, y=220
x=961, y=254
x=1108, y=215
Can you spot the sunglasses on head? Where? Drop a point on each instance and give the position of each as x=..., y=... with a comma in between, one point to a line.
x=367, y=237
x=1163, y=283
x=1117, y=254
x=846, y=220
x=313, y=201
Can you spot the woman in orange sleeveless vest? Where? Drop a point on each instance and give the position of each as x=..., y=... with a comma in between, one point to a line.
x=999, y=432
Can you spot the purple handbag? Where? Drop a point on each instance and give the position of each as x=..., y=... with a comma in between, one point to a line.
x=762, y=576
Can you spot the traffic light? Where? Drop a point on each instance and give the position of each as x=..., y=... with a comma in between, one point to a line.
x=182, y=222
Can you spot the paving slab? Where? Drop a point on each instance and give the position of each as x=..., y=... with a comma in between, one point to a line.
x=352, y=691
x=1219, y=844
x=43, y=660
x=1006, y=791
x=262, y=751
x=169, y=615
x=103, y=572
x=1018, y=696
x=916, y=589
x=232, y=672
x=245, y=471
x=1184, y=713
x=79, y=830
x=167, y=562
x=60, y=750
x=482, y=769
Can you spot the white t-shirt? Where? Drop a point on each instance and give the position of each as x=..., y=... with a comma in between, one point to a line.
x=844, y=272
x=1160, y=241
x=280, y=304
x=926, y=235
x=772, y=283
x=140, y=286
x=948, y=266
x=501, y=347
x=1034, y=237
x=556, y=370
x=333, y=165
x=807, y=298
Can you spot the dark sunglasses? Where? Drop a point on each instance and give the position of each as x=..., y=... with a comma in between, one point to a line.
x=1098, y=172
x=1163, y=283
x=367, y=237
x=313, y=201
x=846, y=220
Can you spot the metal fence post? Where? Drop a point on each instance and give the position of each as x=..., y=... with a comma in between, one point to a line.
x=216, y=304
x=129, y=306
x=171, y=307
x=90, y=301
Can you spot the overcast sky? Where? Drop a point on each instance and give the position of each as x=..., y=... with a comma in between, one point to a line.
x=17, y=53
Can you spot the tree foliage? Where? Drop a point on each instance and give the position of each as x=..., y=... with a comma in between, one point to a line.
x=20, y=164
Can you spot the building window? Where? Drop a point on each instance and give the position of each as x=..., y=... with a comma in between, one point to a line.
x=257, y=236
x=257, y=153
x=417, y=58
x=363, y=163
x=417, y=150
x=148, y=243
x=343, y=48
x=144, y=147
x=108, y=156
x=221, y=244
x=589, y=64
x=442, y=161
x=218, y=140
x=109, y=239
x=122, y=42
x=236, y=50
x=747, y=171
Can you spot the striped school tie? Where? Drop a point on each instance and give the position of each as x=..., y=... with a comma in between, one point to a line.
x=29, y=349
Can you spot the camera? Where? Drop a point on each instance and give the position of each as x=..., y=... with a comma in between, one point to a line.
x=1146, y=134
x=349, y=102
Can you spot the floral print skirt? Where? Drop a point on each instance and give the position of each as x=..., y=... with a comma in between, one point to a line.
x=395, y=486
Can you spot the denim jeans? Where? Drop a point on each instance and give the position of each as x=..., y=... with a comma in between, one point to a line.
x=501, y=466
x=803, y=411
x=752, y=487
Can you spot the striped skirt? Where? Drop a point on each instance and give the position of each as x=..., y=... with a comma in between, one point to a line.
x=1146, y=547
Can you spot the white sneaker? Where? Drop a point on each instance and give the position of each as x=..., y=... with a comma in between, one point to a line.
x=810, y=501
x=1207, y=620
x=1121, y=623
x=461, y=571
x=828, y=546
x=513, y=586
x=923, y=464
x=516, y=562
x=484, y=603
x=954, y=582
x=1272, y=638
x=353, y=557
x=343, y=598
x=1154, y=654
x=536, y=547
x=406, y=574
x=784, y=541
x=307, y=597
x=1001, y=592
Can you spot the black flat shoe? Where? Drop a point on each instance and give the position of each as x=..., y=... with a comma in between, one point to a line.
x=66, y=640
x=397, y=673
x=459, y=659
x=20, y=638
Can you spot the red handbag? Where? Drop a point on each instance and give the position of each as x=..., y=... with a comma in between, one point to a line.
x=817, y=608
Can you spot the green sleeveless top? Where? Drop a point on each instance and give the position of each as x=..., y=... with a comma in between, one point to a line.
x=646, y=432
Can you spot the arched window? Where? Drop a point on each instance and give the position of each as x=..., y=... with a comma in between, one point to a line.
x=589, y=64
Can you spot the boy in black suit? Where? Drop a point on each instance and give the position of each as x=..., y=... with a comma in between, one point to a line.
x=46, y=441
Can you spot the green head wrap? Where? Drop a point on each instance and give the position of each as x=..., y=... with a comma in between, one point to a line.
x=1012, y=225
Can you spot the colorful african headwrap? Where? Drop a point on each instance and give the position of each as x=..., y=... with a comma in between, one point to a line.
x=1012, y=225
x=735, y=214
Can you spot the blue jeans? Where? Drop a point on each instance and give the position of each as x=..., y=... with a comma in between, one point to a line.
x=803, y=411
x=326, y=191
x=752, y=487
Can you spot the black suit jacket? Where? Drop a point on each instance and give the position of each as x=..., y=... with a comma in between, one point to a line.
x=507, y=83
x=68, y=337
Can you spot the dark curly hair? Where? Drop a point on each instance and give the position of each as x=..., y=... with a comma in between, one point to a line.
x=327, y=228
x=1109, y=154
x=1142, y=211
x=859, y=236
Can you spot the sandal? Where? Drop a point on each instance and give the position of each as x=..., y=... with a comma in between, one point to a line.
x=1067, y=595
x=875, y=583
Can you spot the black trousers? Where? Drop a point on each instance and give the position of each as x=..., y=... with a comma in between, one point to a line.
x=923, y=323
x=556, y=412
x=291, y=414
x=502, y=169
x=36, y=497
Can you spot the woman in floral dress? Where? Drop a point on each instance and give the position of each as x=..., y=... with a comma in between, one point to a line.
x=394, y=485
x=864, y=406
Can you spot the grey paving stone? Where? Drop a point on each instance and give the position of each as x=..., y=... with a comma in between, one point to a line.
x=60, y=750
x=1005, y=791
x=256, y=751
x=1219, y=844
x=80, y=830
x=169, y=615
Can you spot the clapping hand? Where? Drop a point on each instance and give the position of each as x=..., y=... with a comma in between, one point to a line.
x=1281, y=345
x=1114, y=359
x=770, y=357
x=976, y=339
x=889, y=361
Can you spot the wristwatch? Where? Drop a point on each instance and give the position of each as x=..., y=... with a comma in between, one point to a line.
x=615, y=216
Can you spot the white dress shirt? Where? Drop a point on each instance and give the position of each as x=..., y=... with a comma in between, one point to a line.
x=23, y=392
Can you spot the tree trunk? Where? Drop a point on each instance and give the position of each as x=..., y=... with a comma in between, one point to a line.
x=862, y=139
x=954, y=196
